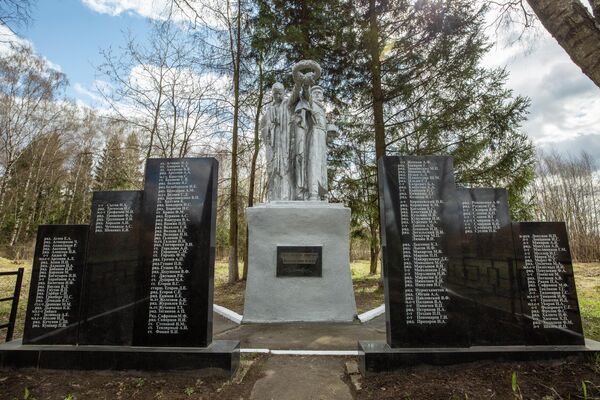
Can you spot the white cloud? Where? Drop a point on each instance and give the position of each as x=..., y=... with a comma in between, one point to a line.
x=565, y=104
x=8, y=37
x=209, y=15
x=153, y=9
x=90, y=94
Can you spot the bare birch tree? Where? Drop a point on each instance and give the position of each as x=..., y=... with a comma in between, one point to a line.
x=219, y=25
x=28, y=89
x=160, y=90
x=566, y=189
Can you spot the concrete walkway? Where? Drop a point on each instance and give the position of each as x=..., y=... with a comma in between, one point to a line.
x=305, y=377
x=302, y=378
x=299, y=335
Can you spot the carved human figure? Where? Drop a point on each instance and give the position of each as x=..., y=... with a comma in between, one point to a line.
x=301, y=124
x=275, y=128
x=317, y=147
x=294, y=132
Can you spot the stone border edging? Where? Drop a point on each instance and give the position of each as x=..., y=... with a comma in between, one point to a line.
x=237, y=318
x=227, y=313
x=303, y=352
x=369, y=315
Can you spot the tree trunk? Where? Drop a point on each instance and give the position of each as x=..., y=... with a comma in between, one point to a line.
x=374, y=248
x=259, y=102
x=19, y=215
x=233, y=199
x=570, y=23
x=3, y=184
x=156, y=116
x=28, y=183
x=74, y=190
x=377, y=92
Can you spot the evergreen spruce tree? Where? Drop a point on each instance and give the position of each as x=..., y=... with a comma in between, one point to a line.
x=110, y=172
x=409, y=81
x=305, y=30
x=132, y=162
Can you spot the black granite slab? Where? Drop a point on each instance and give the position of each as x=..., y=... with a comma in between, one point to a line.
x=53, y=309
x=299, y=261
x=485, y=274
x=178, y=253
x=548, y=293
x=379, y=357
x=421, y=240
x=112, y=261
x=220, y=357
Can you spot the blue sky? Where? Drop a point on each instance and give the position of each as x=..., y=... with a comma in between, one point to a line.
x=70, y=34
x=565, y=111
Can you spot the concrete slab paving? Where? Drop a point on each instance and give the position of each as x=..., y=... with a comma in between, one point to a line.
x=222, y=324
x=302, y=378
x=300, y=335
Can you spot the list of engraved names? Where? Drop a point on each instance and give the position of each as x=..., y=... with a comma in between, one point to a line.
x=113, y=217
x=425, y=265
x=53, y=298
x=168, y=289
x=480, y=216
x=547, y=291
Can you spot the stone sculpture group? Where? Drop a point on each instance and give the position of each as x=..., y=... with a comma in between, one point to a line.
x=294, y=130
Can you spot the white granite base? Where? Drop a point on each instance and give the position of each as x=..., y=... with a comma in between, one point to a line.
x=288, y=299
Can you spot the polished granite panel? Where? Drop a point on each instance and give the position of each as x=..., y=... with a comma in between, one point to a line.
x=545, y=274
x=220, y=357
x=112, y=262
x=378, y=357
x=485, y=273
x=299, y=261
x=421, y=240
x=178, y=253
x=53, y=313
x=505, y=283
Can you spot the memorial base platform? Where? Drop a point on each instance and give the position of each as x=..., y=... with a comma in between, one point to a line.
x=325, y=293
x=378, y=357
x=221, y=357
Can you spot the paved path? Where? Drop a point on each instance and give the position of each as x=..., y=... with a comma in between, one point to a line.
x=299, y=335
x=302, y=378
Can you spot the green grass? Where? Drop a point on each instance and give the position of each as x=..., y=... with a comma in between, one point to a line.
x=7, y=286
x=587, y=279
x=366, y=289
x=226, y=295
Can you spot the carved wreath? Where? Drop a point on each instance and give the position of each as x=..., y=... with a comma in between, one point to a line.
x=301, y=77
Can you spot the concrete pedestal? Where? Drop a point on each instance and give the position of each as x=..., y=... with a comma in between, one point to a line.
x=287, y=299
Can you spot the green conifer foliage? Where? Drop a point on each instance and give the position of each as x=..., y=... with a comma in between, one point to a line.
x=111, y=171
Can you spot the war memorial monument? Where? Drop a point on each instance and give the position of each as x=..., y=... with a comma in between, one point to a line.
x=134, y=289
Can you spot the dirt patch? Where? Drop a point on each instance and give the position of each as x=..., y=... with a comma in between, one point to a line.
x=487, y=380
x=73, y=385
